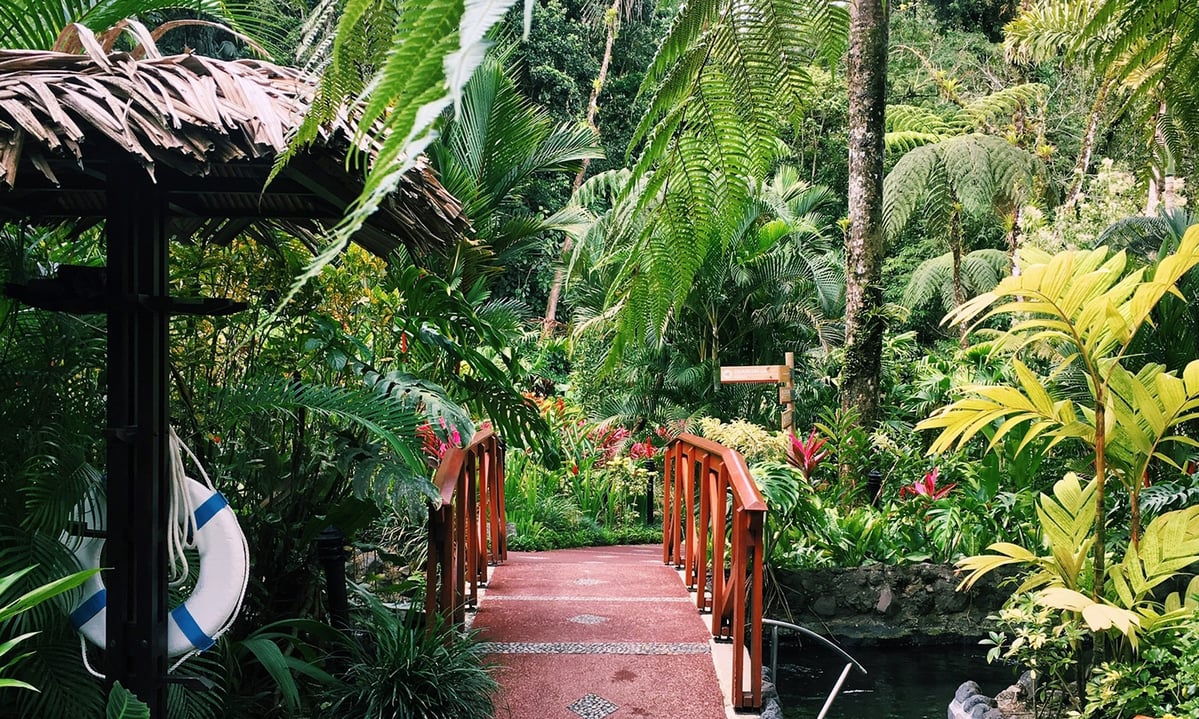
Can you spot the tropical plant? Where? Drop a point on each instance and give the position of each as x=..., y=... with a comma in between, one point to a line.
x=934, y=279
x=1067, y=580
x=396, y=670
x=22, y=604
x=927, y=488
x=1084, y=307
x=489, y=152
x=806, y=455
x=723, y=78
x=400, y=65
x=972, y=176
x=37, y=24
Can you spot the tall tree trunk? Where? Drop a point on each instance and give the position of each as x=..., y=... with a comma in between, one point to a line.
x=1088, y=144
x=867, y=80
x=1161, y=176
x=612, y=21
x=959, y=291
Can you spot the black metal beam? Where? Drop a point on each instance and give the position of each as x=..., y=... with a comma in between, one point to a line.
x=138, y=469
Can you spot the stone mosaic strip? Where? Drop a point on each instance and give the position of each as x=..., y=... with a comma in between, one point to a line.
x=593, y=706
x=588, y=582
x=640, y=648
x=557, y=598
x=588, y=619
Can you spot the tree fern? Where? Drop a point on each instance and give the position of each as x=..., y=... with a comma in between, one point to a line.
x=398, y=82
x=723, y=80
x=981, y=271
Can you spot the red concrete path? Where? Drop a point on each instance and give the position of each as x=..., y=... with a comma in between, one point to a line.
x=597, y=633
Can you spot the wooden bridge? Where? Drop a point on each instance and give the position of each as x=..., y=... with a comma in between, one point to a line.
x=648, y=631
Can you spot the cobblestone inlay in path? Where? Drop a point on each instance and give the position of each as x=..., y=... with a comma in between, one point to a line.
x=588, y=582
x=627, y=648
x=587, y=619
x=593, y=706
x=568, y=598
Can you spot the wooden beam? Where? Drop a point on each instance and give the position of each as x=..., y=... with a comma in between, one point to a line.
x=755, y=374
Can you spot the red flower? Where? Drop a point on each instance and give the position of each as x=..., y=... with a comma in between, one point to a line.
x=927, y=487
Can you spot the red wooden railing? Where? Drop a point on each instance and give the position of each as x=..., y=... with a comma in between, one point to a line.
x=701, y=477
x=468, y=531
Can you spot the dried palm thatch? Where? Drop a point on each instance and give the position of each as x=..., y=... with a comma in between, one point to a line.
x=207, y=130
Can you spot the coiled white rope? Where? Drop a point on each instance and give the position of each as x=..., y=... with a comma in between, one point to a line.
x=181, y=525
x=187, y=532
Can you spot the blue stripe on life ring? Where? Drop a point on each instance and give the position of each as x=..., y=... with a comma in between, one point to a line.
x=187, y=624
x=209, y=509
x=91, y=606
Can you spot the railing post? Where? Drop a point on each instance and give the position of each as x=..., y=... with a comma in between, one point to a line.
x=470, y=482
x=736, y=598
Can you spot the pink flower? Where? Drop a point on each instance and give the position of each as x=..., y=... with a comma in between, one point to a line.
x=927, y=487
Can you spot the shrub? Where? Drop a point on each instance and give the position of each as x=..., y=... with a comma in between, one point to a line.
x=400, y=672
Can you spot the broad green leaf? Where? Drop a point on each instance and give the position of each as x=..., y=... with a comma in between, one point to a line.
x=122, y=704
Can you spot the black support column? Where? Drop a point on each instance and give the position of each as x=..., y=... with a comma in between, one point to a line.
x=138, y=476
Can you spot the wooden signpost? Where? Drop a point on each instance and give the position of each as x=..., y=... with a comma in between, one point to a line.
x=779, y=374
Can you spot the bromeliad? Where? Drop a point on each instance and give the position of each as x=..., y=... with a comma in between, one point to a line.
x=927, y=487
x=807, y=455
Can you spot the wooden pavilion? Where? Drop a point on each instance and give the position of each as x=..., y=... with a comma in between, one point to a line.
x=161, y=148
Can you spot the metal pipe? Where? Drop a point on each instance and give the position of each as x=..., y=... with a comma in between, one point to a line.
x=813, y=635
x=774, y=651
x=836, y=690
x=850, y=662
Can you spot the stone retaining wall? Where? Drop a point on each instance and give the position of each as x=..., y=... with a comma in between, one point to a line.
x=879, y=604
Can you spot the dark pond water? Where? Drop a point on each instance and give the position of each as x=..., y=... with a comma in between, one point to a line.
x=903, y=683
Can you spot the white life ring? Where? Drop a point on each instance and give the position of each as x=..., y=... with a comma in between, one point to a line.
x=224, y=569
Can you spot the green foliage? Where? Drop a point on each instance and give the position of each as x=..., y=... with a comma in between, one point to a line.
x=1126, y=605
x=22, y=604
x=401, y=671
x=35, y=24
x=1032, y=635
x=932, y=281
x=751, y=440
x=1162, y=681
x=977, y=172
x=122, y=704
x=416, y=59
x=724, y=78
x=1086, y=309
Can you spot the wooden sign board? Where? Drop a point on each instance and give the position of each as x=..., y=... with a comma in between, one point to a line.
x=755, y=374
x=784, y=395
x=788, y=420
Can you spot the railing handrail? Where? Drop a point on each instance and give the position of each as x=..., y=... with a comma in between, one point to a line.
x=698, y=476
x=742, y=483
x=445, y=478
x=467, y=528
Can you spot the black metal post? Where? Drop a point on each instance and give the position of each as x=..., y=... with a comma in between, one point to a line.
x=649, y=492
x=137, y=463
x=874, y=486
x=331, y=552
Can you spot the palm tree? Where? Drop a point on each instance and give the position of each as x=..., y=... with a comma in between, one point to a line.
x=971, y=176
x=493, y=148
x=933, y=280
x=1140, y=48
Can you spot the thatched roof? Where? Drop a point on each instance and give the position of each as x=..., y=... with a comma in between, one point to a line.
x=207, y=130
